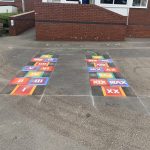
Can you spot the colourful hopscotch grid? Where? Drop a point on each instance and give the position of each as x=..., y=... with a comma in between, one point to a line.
x=33, y=78
x=105, y=77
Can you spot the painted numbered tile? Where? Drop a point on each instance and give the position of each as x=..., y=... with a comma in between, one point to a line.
x=33, y=78
x=105, y=77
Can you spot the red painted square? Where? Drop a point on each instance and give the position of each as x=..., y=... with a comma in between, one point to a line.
x=101, y=64
x=23, y=90
x=41, y=64
x=20, y=81
x=112, y=91
x=47, y=68
x=99, y=82
x=110, y=69
x=37, y=60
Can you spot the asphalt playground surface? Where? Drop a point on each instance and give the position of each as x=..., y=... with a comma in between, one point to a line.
x=66, y=116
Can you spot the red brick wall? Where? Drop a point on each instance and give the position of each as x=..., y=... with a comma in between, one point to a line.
x=139, y=23
x=29, y=4
x=22, y=23
x=77, y=22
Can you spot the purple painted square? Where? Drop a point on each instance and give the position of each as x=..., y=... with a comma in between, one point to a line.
x=30, y=68
x=53, y=60
x=39, y=81
x=92, y=69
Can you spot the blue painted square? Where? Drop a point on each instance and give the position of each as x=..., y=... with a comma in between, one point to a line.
x=30, y=68
x=39, y=81
x=53, y=60
x=118, y=82
x=92, y=69
x=107, y=60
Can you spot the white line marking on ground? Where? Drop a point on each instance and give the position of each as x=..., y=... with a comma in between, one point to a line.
x=141, y=102
x=46, y=86
x=139, y=99
x=93, y=101
x=53, y=95
x=42, y=96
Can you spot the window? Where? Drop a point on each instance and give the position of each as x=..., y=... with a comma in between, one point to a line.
x=52, y=1
x=7, y=0
x=120, y=2
x=107, y=1
x=140, y=3
x=124, y=2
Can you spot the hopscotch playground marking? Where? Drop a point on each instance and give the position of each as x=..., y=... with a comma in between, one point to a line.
x=105, y=77
x=33, y=78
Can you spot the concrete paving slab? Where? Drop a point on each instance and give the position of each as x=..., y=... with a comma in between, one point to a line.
x=69, y=123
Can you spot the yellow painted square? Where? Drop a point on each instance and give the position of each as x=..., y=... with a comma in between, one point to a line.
x=97, y=57
x=34, y=74
x=47, y=56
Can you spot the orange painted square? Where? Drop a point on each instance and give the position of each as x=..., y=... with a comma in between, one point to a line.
x=23, y=90
x=113, y=91
x=41, y=64
x=101, y=64
x=47, y=68
x=20, y=81
x=110, y=69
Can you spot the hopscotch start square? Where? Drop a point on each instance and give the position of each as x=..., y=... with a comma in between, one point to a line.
x=23, y=90
x=112, y=91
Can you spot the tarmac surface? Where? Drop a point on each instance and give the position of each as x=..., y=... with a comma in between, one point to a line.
x=66, y=116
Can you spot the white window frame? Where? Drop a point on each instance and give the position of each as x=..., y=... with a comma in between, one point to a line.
x=61, y=1
x=7, y=1
x=140, y=6
x=128, y=5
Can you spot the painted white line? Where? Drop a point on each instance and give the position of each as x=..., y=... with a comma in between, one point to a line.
x=139, y=99
x=93, y=101
x=42, y=96
x=45, y=87
x=69, y=95
x=141, y=102
x=144, y=96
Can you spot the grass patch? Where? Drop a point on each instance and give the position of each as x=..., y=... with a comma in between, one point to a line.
x=4, y=18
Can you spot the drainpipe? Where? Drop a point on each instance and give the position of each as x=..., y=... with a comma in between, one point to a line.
x=23, y=6
x=127, y=23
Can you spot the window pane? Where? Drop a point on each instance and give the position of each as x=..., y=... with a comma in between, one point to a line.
x=53, y=1
x=144, y=3
x=124, y=2
x=136, y=2
x=107, y=1
x=6, y=0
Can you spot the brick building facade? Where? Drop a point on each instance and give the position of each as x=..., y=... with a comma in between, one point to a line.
x=139, y=23
x=29, y=4
x=88, y=22
x=93, y=22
